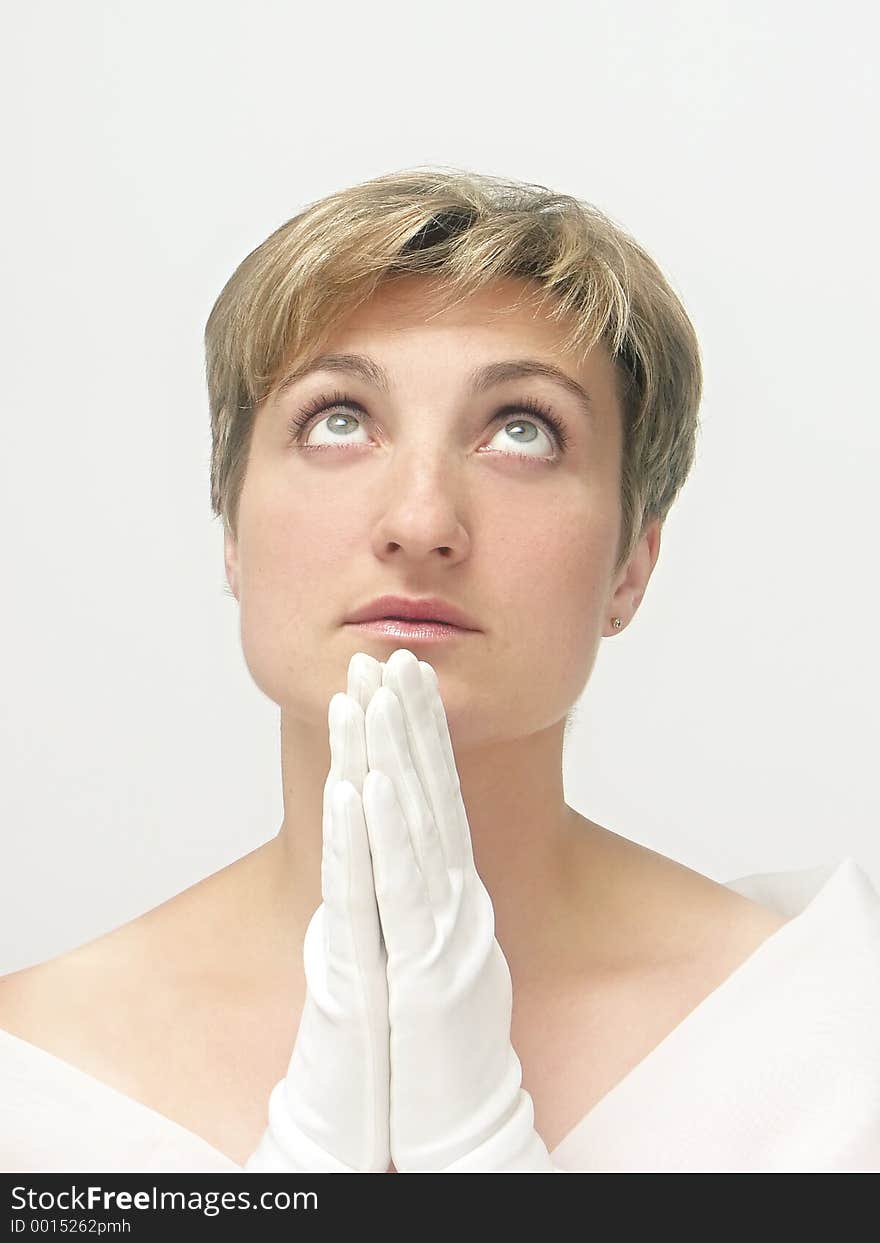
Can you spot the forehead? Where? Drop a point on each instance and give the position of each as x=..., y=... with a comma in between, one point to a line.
x=414, y=301
x=405, y=318
x=410, y=306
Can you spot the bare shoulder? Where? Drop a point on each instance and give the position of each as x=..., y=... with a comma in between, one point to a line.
x=168, y=1005
x=655, y=939
x=190, y=967
x=711, y=922
x=672, y=915
x=93, y=997
x=702, y=908
x=59, y=985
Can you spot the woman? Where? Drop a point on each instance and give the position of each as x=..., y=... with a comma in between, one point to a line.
x=479, y=398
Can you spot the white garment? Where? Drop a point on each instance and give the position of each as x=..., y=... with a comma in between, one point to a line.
x=777, y=1070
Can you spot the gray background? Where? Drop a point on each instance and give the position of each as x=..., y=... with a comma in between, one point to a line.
x=149, y=146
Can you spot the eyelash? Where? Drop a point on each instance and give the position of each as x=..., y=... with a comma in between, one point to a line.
x=327, y=401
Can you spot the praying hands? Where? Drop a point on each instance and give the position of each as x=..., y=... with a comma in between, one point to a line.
x=403, y=1051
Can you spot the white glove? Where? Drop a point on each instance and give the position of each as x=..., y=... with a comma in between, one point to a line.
x=457, y=1104
x=330, y=1113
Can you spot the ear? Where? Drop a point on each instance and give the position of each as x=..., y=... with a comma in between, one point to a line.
x=230, y=558
x=634, y=578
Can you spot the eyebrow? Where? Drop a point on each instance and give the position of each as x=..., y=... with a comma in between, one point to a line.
x=479, y=381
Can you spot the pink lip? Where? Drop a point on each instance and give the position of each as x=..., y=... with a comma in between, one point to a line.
x=426, y=610
x=412, y=632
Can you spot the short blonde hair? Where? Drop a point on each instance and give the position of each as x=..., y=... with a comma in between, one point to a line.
x=467, y=229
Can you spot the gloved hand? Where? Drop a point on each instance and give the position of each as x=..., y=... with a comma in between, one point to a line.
x=330, y=1113
x=456, y=1103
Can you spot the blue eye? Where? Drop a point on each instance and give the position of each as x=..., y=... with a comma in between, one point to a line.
x=318, y=405
x=341, y=402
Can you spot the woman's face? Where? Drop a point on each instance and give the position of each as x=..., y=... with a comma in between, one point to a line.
x=430, y=489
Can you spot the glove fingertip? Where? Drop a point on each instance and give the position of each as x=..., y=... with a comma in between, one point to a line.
x=336, y=707
x=351, y=839
x=342, y=796
x=429, y=672
x=378, y=790
x=357, y=905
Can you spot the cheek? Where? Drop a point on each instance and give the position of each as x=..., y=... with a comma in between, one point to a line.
x=295, y=569
x=556, y=570
x=553, y=581
x=299, y=547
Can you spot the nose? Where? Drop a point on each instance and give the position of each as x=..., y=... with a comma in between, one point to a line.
x=420, y=510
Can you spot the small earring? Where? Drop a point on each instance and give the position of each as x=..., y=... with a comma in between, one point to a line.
x=616, y=623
